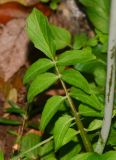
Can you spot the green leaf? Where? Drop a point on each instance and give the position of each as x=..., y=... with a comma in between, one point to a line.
x=62, y=37
x=98, y=12
x=40, y=34
x=76, y=79
x=69, y=135
x=28, y=141
x=95, y=124
x=92, y=42
x=61, y=127
x=91, y=99
x=83, y=156
x=9, y=122
x=70, y=150
x=112, y=137
x=40, y=66
x=80, y=41
x=111, y=155
x=41, y=83
x=90, y=66
x=94, y=156
x=50, y=109
x=100, y=76
x=1, y=155
x=87, y=111
x=46, y=152
x=73, y=57
x=46, y=149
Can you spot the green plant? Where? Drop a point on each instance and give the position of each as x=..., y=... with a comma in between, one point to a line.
x=53, y=3
x=83, y=99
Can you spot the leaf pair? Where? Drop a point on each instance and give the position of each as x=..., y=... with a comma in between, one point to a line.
x=46, y=37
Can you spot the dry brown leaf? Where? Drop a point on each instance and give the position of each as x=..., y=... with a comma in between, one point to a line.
x=24, y=2
x=13, y=47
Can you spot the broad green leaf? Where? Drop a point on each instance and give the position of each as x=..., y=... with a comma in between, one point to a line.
x=111, y=155
x=46, y=152
x=40, y=66
x=73, y=57
x=100, y=76
x=49, y=157
x=80, y=41
x=76, y=79
x=61, y=127
x=70, y=150
x=94, y=156
x=62, y=37
x=50, y=109
x=9, y=122
x=1, y=155
x=112, y=137
x=98, y=12
x=41, y=83
x=40, y=34
x=90, y=66
x=91, y=99
x=69, y=135
x=83, y=156
x=28, y=141
x=87, y=111
x=95, y=124
x=46, y=149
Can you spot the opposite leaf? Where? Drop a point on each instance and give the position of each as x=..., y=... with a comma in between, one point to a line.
x=62, y=37
x=40, y=34
x=50, y=109
x=36, y=68
x=91, y=99
x=76, y=79
x=71, y=133
x=41, y=83
x=73, y=57
x=87, y=111
x=61, y=127
x=95, y=124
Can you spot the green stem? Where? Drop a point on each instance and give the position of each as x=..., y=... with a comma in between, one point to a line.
x=79, y=124
x=31, y=149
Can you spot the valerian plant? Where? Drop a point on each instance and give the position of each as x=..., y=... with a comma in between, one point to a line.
x=65, y=137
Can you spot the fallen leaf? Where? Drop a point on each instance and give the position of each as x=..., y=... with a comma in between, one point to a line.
x=24, y=2
x=9, y=11
x=13, y=47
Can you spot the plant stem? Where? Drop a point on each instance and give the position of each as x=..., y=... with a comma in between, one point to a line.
x=110, y=82
x=79, y=124
x=32, y=148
